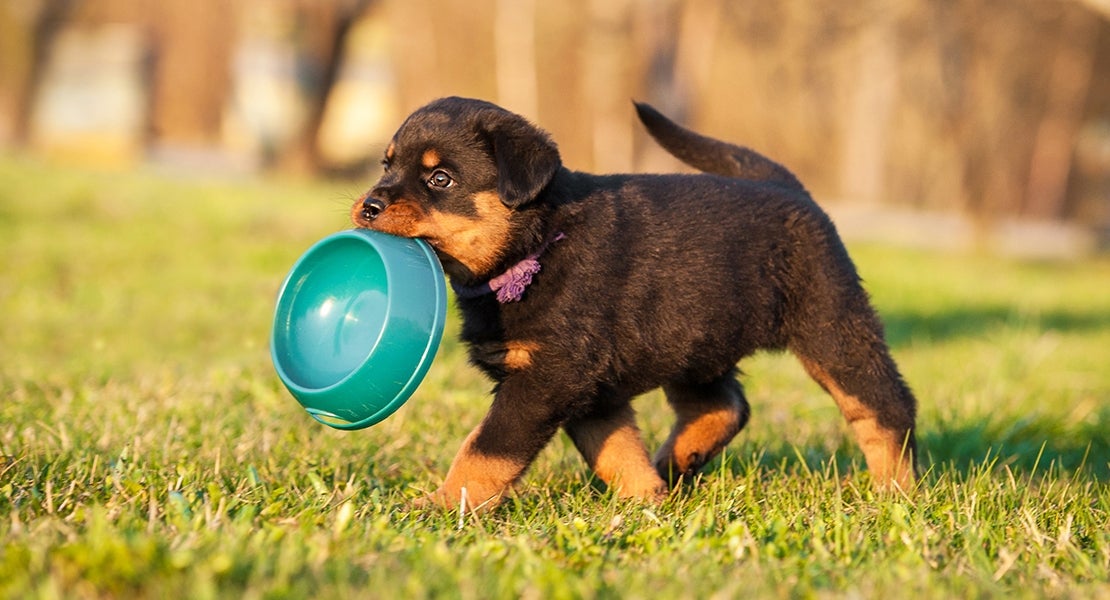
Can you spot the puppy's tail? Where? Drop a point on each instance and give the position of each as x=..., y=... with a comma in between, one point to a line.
x=710, y=155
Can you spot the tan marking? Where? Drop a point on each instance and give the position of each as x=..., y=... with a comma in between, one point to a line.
x=883, y=448
x=390, y=151
x=486, y=478
x=403, y=217
x=614, y=450
x=430, y=159
x=701, y=432
x=518, y=354
x=475, y=242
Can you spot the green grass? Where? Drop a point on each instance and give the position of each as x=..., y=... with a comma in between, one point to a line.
x=148, y=449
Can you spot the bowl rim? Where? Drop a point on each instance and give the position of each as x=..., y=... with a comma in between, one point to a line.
x=372, y=239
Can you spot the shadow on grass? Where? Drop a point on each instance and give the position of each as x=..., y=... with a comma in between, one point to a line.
x=1027, y=446
x=903, y=328
x=1031, y=446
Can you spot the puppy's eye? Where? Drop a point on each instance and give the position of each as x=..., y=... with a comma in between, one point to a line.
x=440, y=179
x=385, y=165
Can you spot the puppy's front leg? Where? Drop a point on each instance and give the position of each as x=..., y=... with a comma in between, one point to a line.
x=498, y=451
x=485, y=477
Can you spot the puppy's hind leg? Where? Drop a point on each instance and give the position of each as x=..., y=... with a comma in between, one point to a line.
x=859, y=373
x=708, y=415
x=613, y=447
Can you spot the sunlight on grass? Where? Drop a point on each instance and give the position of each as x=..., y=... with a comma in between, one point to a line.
x=148, y=449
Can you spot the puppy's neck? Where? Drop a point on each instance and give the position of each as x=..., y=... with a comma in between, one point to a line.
x=510, y=285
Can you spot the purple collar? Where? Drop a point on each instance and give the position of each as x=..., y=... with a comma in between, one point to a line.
x=509, y=285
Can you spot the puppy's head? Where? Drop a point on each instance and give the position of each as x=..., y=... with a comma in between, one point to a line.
x=459, y=173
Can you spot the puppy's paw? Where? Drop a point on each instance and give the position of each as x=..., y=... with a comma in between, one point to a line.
x=463, y=498
x=649, y=488
x=425, y=502
x=652, y=497
x=675, y=470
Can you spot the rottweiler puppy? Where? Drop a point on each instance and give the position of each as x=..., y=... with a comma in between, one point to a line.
x=579, y=292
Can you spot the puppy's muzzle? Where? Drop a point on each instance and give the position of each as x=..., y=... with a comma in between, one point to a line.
x=372, y=207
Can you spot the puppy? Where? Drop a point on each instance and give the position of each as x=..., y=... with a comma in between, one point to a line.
x=579, y=292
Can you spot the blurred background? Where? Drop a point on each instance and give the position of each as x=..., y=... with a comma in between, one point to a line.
x=954, y=122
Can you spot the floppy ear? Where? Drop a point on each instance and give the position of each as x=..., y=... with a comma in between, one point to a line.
x=526, y=160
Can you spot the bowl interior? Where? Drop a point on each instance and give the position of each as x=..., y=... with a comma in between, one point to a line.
x=332, y=314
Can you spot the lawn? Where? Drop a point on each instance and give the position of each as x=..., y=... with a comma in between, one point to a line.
x=148, y=450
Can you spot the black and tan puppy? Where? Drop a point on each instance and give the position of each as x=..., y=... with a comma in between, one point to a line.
x=579, y=292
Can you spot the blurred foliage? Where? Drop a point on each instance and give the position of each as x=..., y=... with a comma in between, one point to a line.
x=991, y=107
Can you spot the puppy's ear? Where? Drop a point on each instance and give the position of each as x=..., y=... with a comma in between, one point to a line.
x=526, y=160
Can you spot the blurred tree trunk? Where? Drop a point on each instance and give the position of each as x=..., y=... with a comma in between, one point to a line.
x=415, y=51
x=978, y=102
x=608, y=79
x=515, y=41
x=863, y=157
x=1069, y=81
x=443, y=47
x=49, y=19
x=191, y=70
x=321, y=33
x=697, y=42
x=560, y=51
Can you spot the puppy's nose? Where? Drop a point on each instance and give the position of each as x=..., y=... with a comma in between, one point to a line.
x=371, y=208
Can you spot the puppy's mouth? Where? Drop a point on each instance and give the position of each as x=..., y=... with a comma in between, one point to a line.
x=468, y=246
x=398, y=218
x=403, y=219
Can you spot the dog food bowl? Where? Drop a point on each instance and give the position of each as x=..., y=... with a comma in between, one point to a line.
x=357, y=323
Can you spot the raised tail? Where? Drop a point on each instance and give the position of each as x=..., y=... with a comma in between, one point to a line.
x=710, y=155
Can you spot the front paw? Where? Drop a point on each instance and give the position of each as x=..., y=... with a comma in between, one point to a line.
x=425, y=502
x=435, y=500
x=465, y=499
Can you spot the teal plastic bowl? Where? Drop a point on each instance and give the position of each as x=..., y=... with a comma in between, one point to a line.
x=357, y=324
